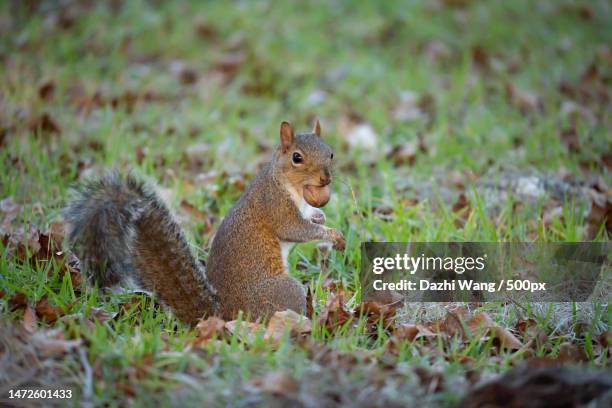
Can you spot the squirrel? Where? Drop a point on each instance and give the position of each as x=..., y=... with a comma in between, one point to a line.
x=123, y=233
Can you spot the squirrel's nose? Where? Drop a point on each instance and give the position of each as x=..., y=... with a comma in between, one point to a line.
x=326, y=178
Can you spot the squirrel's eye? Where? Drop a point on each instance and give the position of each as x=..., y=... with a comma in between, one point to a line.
x=297, y=158
x=332, y=156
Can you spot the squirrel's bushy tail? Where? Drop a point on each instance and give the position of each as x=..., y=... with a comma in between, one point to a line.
x=121, y=230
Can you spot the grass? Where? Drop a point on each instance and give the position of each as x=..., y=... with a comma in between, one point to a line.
x=488, y=81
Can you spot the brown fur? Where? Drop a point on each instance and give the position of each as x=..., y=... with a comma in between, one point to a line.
x=122, y=230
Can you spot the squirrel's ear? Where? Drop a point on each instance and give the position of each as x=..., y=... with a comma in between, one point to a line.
x=286, y=135
x=317, y=128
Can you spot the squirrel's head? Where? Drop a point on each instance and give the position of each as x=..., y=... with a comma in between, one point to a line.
x=306, y=161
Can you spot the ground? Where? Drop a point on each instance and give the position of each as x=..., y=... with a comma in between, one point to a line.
x=450, y=120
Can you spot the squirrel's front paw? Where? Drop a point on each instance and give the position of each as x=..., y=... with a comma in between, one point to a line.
x=318, y=217
x=338, y=240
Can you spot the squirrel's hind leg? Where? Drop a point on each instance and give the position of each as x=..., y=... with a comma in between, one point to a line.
x=276, y=294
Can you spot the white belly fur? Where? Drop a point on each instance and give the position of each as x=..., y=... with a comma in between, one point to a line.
x=307, y=212
x=285, y=249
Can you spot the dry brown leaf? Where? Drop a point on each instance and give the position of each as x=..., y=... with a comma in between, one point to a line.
x=601, y=211
x=506, y=338
x=524, y=100
x=334, y=315
x=480, y=57
x=18, y=301
x=46, y=311
x=285, y=322
x=309, y=303
x=229, y=65
x=570, y=353
x=482, y=325
x=24, y=241
x=479, y=324
x=188, y=76
x=245, y=331
x=46, y=90
x=605, y=338
x=192, y=210
x=462, y=208
x=101, y=315
x=569, y=137
x=29, y=319
x=210, y=328
x=530, y=332
x=406, y=332
x=205, y=29
x=404, y=154
x=44, y=124
x=57, y=232
x=377, y=311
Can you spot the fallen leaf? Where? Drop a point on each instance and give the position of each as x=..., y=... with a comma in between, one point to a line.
x=605, y=338
x=24, y=241
x=18, y=301
x=480, y=57
x=46, y=311
x=188, y=76
x=205, y=29
x=570, y=138
x=506, y=338
x=29, y=319
x=462, y=209
x=229, y=64
x=570, y=353
x=407, y=332
x=600, y=212
x=245, y=331
x=482, y=325
x=44, y=124
x=309, y=303
x=334, y=315
x=384, y=212
x=404, y=154
x=57, y=232
x=377, y=313
x=192, y=210
x=210, y=328
x=524, y=100
x=285, y=322
x=101, y=315
x=46, y=90
x=461, y=204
